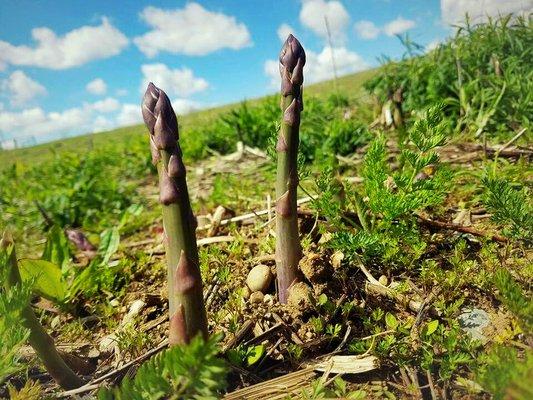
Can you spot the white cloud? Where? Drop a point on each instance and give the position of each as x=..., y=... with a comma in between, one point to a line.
x=398, y=26
x=433, y=45
x=38, y=123
x=191, y=30
x=318, y=66
x=366, y=29
x=121, y=92
x=175, y=82
x=102, y=123
x=20, y=88
x=314, y=13
x=130, y=114
x=96, y=86
x=75, y=48
x=185, y=106
x=107, y=105
x=454, y=11
x=283, y=31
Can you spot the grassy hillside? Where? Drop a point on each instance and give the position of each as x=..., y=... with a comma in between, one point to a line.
x=415, y=225
x=349, y=85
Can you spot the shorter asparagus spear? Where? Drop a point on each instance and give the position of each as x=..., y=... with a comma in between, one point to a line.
x=39, y=339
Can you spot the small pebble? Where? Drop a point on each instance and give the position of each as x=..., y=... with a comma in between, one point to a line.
x=383, y=280
x=256, y=297
x=268, y=299
x=246, y=292
x=259, y=278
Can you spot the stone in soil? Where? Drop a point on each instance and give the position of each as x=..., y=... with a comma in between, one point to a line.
x=259, y=278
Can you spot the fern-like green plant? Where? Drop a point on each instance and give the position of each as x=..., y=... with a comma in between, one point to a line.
x=513, y=297
x=386, y=206
x=510, y=206
x=185, y=372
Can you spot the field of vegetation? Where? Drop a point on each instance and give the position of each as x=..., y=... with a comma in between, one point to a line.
x=414, y=218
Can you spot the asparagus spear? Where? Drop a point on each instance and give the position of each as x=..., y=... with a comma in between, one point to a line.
x=288, y=250
x=186, y=304
x=39, y=339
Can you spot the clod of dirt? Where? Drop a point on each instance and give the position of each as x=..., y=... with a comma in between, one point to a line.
x=259, y=278
x=316, y=267
x=299, y=299
x=336, y=259
x=256, y=297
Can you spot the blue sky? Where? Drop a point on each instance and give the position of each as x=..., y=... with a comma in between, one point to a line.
x=71, y=67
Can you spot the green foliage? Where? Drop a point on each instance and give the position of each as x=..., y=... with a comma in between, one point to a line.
x=502, y=372
x=246, y=355
x=179, y=373
x=512, y=295
x=339, y=390
x=46, y=277
x=344, y=136
x=483, y=75
x=13, y=334
x=387, y=225
x=510, y=206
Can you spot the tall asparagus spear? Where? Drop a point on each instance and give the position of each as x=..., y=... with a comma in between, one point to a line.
x=186, y=304
x=288, y=250
x=39, y=339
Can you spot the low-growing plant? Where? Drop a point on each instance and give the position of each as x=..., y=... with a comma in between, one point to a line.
x=184, y=372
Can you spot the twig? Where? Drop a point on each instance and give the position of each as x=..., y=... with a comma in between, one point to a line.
x=461, y=228
x=510, y=142
x=95, y=383
x=431, y=385
x=239, y=335
x=251, y=215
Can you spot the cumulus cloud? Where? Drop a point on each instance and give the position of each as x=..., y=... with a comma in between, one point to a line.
x=366, y=29
x=96, y=86
x=191, y=30
x=130, y=114
x=318, y=66
x=38, y=123
x=283, y=31
x=314, y=13
x=175, y=82
x=19, y=88
x=73, y=49
x=454, y=11
x=107, y=105
x=398, y=26
x=185, y=106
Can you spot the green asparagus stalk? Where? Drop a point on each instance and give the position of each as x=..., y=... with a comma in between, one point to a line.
x=186, y=304
x=288, y=249
x=39, y=339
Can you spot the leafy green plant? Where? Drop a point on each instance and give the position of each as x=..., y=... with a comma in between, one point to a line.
x=386, y=225
x=246, y=355
x=180, y=373
x=502, y=372
x=13, y=334
x=483, y=76
x=510, y=206
x=512, y=295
